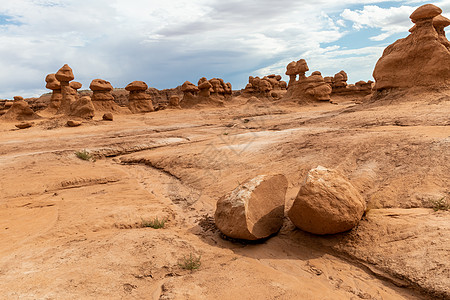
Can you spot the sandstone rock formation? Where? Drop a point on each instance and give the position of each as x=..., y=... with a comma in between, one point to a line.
x=24, y=125
x=306, y=89
x=82, y=108
x=102, y=98
x=73, y=123
x=253, y=210
x=174, y=102
x=64, y=76
x=327, y=203
x=263, y=87
x=20, y=111
x=340, y=80
x=54, y=85
x=420, y=60
x=139, y=101
x=211, y=92
x=108, y=117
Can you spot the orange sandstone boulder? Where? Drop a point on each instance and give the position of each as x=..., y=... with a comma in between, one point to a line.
x=53, y=84
x=327, y=203
x=82, y=108
x=254, y=210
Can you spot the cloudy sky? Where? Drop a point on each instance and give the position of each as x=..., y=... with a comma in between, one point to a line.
x=165, y=43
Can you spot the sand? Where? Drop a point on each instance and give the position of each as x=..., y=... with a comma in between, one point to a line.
x=71, y=229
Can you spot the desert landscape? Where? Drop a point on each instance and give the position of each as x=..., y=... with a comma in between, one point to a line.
x=312, y=188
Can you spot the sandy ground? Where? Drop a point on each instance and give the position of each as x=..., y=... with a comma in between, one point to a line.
x=71, y=229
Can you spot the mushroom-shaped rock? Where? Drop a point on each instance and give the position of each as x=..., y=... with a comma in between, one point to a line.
x=204, y=86
x=189, y=87
x=136, y=86
x=64, y=74
x=426, y=11
x=254, y=210
x=440, y=22
x=100, y=85
x=52, y=82
x=75, y=85
x=421, y=60
x=82, y=108
x=327, y=203
x=139, y=101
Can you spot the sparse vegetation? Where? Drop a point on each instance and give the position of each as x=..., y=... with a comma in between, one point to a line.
x=155, y=223
x=225, y=133
x=440, y=204
x=191, y=262
x=84, y=155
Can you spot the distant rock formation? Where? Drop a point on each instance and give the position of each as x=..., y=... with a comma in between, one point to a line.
x=327, y=203
x=54, y=85
x=19, y=111
x=263, y=87
x=174, y=102
x=102, y=98
x=254, y=210
x=69, y=95
x=420, y=60
x=138, y=100
x=306, y=89
x=211, y=92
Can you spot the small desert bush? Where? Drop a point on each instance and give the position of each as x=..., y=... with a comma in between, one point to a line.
x=190, y=262
x=155, y=223
x=440, y=204
x=84, y=155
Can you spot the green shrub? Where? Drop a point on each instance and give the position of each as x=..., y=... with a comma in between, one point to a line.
x=84, y=155
x=190, y=262
x=155, y=223
x=440, y=204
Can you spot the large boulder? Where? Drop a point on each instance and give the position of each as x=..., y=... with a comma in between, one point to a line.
x=254, y=210
x=82, y=108
x=327, y=203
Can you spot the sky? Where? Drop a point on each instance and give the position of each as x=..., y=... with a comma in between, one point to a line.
x=165, y=43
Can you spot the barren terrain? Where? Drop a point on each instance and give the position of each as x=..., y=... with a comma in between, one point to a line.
x=71, y=229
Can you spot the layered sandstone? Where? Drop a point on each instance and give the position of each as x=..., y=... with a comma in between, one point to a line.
x=420, y=60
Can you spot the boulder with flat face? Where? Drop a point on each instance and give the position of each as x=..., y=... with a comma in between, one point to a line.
x=253, y=210
x=327, y=203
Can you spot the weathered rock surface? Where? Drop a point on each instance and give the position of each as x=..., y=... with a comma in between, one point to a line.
x=24, y=125
x=73, y=123
x=306, y=89
x=82, y=108
x=19, y=111
x=138, y=100
x=263, y=87
x=327, y=203
x=69, y=95
x=108, y=117
x=102, y=98
x=211, y=92
x=420, y=60
x=54, y=85
x=253, y=210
